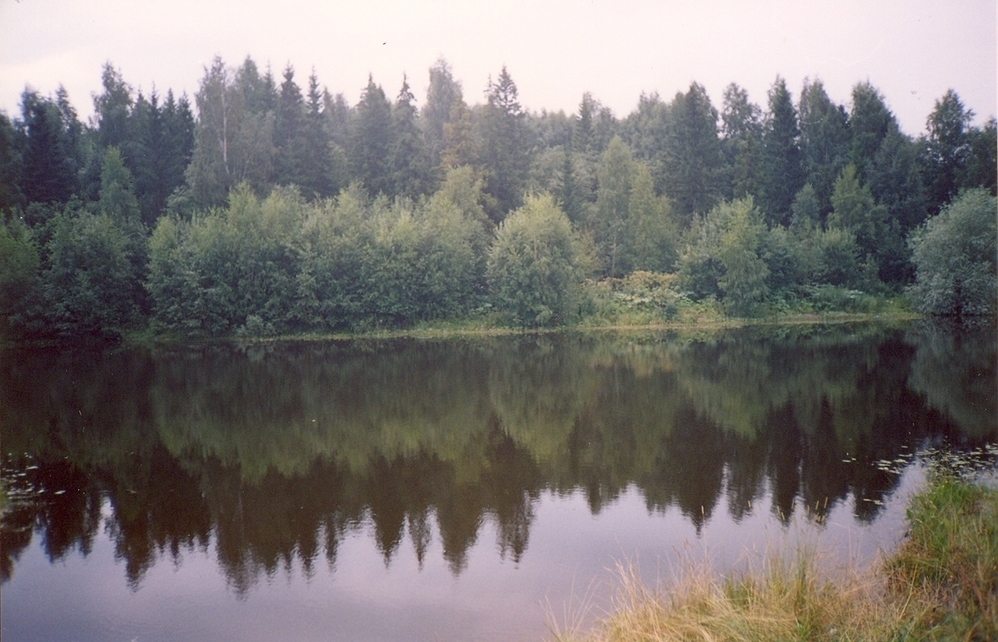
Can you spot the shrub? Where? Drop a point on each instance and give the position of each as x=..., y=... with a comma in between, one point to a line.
x=956, y=257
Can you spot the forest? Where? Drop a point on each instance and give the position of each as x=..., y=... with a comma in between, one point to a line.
x=270, y=207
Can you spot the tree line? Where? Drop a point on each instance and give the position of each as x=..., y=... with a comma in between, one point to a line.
x=266, y=207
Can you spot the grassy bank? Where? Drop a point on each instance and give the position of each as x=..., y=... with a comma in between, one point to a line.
x=941, y=584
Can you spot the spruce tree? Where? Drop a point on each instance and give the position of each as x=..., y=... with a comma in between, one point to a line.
x=692, y=159
x=824, y=140
x=317, y=171
x=48, y=173
x=782, y=161
x=506, y=147
x=410, y=162
x=371, y=141
x=869, y=122
x=290, y=164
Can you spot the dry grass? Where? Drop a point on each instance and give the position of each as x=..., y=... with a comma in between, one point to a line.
x=783, y=601
x=942, y=584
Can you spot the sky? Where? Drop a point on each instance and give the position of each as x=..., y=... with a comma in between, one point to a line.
x=913, y=51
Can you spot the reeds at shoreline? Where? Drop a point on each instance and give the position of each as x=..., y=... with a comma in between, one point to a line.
x=940, y=584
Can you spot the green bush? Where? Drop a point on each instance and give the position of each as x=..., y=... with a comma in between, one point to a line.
x=534, y=270
x=956, y=257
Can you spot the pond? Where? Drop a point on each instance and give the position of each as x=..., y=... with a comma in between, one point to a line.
x=462, y=489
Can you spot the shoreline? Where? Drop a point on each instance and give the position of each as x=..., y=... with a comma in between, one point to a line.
x=446, y=329
x=940, y=582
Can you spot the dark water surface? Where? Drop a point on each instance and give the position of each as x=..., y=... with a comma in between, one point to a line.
x=451, y=489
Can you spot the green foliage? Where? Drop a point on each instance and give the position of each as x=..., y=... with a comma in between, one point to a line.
x=49, y=163
x=640, y=298
x=945, y=149
x=743, y=282
x=117, y=191
x=283, y=265
x=10, y=166
x=90, y=279
x=230, y=271
x=723, y=257
x=691, y=161
x=506, y=146
x=653, y=227
x=855, y=211
x=838, y=258
x=740, y=144
x=981, y=168
x=611, y=216
x=824, y=140
x=409, y=157
x=869, y=122
x=20, y=283
x=950, y=560
x=839, y=196
x=956, y=258
x=806, y=210
x=371, y=141
x=782, y=168
x=631, y=226
x=533, y=269
x=441, y=96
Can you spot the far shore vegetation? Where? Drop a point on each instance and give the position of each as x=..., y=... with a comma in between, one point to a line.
x=262, y=207
x=940, y=584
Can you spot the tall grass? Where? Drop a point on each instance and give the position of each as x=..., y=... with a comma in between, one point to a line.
x=941, y=584
x=949, y=562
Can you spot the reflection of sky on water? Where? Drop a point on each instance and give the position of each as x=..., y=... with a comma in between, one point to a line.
x=570, y=561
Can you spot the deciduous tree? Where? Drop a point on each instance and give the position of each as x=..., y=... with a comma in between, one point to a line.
x=533, y=273
x=956, y=258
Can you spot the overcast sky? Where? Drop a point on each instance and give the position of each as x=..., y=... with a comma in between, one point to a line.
x=911, y=50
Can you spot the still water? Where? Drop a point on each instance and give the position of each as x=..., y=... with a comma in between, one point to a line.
x=465, y=489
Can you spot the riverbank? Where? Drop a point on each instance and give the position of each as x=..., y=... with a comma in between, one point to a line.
x=940, y=584
x=487, y=327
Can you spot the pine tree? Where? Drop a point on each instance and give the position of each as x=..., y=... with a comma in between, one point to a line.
x=142, y=152
x=259, y=92
x=178, y=142
x=568, y=191
x=895, y=181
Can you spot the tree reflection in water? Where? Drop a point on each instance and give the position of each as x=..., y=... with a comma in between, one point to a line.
x=278, y=451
